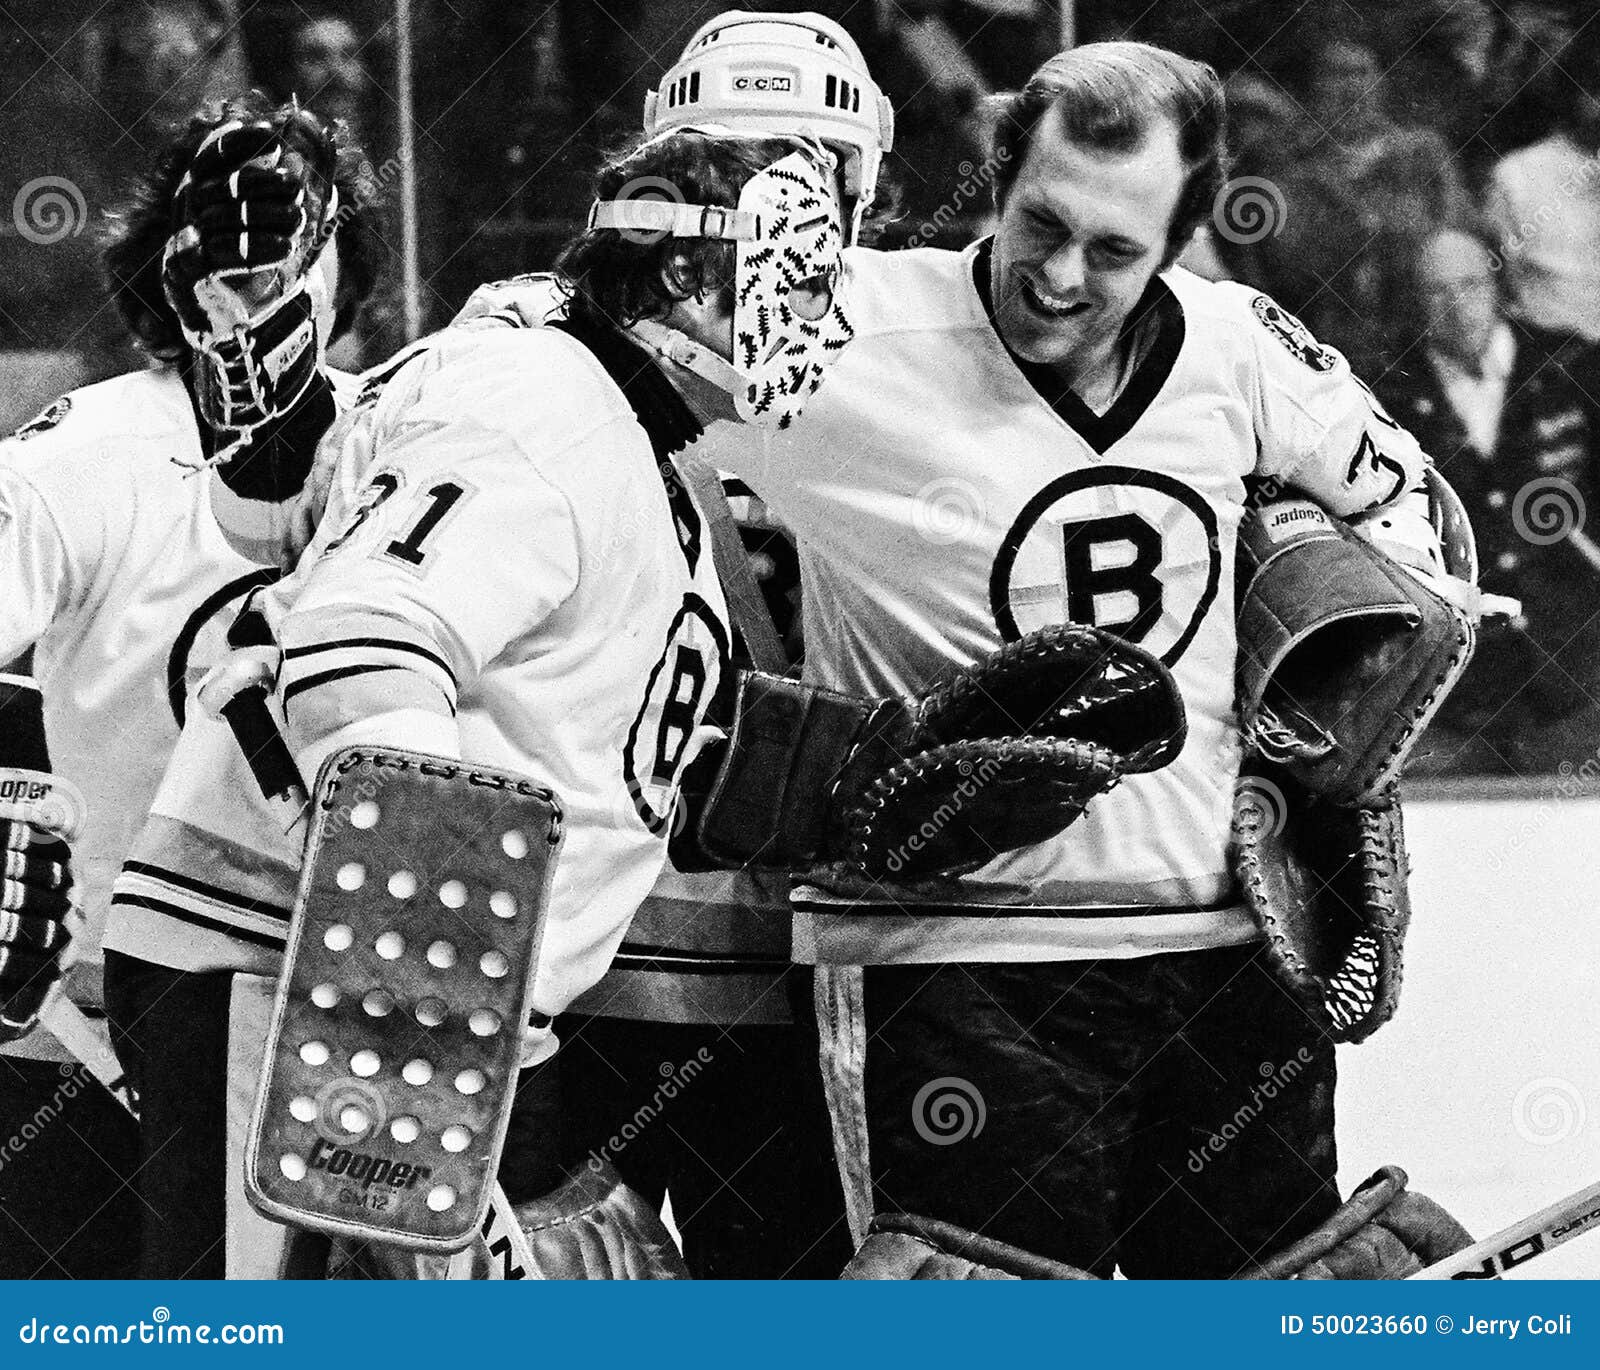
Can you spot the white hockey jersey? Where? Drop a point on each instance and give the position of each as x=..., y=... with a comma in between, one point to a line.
x=118, y=577
x=948, y=497
x=519, y=557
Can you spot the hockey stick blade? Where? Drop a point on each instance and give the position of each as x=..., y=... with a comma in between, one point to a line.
x=1574, y=1216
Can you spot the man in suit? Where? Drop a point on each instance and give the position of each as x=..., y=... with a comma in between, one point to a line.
x=1509, y=413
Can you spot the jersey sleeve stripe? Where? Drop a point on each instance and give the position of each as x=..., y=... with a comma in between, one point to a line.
x=350, y=636
x=641, y=956
x=393, y=644
x=199, y=920
x=363, y=691
x=327, y=677
x=187, y=882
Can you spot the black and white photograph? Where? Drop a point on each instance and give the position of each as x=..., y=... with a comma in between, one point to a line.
x=881, y=640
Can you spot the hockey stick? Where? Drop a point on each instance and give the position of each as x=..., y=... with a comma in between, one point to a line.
x=1573, y=1216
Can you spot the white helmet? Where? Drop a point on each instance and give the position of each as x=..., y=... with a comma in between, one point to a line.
x=781, y=74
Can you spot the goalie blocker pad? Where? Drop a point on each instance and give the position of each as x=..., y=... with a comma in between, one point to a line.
x=1344, y=657
x=396, y=1035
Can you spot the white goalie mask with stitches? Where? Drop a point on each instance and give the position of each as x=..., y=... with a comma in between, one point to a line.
x=789, y=318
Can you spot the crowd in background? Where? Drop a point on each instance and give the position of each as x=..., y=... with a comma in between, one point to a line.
x=1418, y=180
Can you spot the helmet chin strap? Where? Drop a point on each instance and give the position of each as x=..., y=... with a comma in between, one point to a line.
x=682, y=350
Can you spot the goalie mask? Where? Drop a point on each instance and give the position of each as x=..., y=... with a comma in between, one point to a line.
x=788, y=319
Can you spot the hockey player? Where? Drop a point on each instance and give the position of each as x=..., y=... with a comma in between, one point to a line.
x=1057, y=424
x=508, y=568
x=122, y=585
x=746, y=1152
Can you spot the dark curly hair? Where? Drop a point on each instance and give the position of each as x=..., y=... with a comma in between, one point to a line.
x=1107, y=96
x=136, y=232
x=616, y=277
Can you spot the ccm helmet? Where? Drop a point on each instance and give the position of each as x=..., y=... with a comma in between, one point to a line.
x=776, y=74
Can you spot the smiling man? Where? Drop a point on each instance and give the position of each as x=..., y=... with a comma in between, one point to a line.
x=1058, y=424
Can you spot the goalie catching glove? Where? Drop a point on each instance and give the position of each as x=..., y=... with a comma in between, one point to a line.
x=246, y=274
x=1327, y=886
x=1007, y=753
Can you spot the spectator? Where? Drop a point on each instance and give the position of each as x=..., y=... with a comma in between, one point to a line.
x=166, y=58
x=1408, y=175
x=1544, y=203
x=327, y=71
x=1261, y=116
x=1442, y=77
x=1508, y=412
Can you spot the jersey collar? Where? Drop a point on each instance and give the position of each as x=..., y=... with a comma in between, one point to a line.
x=1159, y=310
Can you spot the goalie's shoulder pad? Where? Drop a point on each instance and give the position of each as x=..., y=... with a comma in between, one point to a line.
x=1344, y=656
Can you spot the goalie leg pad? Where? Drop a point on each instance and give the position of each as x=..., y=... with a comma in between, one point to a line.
x=593, y=1227
x=1383, y=1231
x=397, y=1030
x=901, y=1246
